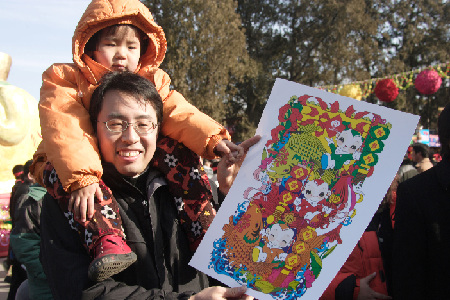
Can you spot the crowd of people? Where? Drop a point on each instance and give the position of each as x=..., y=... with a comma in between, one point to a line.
x=100, y=210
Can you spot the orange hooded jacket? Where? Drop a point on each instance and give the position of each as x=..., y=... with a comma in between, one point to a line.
x=68, y=139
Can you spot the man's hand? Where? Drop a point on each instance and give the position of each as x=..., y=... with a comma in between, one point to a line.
x=230, y=151
x=226, y=173
x=82, y=201
x=366, y=293
x=221, y=293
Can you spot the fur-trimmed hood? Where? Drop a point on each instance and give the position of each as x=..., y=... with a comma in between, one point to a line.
x=103, y=13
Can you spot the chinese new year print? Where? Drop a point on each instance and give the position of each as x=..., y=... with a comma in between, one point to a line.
x=305, y=193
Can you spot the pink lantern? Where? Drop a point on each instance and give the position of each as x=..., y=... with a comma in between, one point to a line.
x=428, y=82
x=386, y=90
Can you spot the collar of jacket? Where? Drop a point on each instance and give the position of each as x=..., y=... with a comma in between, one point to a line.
x=117, y=182
x=37, y=192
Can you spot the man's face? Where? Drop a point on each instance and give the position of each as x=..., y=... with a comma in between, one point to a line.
x=415, y=157
x=128, y=151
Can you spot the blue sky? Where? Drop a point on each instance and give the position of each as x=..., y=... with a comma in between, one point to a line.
x=36, y=34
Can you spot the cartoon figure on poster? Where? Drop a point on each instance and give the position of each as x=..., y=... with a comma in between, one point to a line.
x=311, y=176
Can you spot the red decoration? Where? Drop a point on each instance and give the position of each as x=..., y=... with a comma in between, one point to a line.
x=386, y=90
x=428, y=82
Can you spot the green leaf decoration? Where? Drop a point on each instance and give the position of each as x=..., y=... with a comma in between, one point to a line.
x=316, y=263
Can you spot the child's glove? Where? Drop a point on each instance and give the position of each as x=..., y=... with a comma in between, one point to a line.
x=229, y=151
x=81, y=201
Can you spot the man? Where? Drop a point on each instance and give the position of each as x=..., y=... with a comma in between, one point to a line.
x=420, y=155
x=126, y=119
x=421, y=264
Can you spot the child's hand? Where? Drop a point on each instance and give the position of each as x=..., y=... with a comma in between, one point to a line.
x=82, y=200
x=230, y=151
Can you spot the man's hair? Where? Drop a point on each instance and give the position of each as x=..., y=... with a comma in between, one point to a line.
x=26, y=170
x=140, y=88
x=444, y=131
x=17, y=171
x=422, y=149
x=92, y=43
x=26, y=167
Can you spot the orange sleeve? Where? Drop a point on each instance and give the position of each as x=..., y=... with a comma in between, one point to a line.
x=67, y=134
x=185, y=123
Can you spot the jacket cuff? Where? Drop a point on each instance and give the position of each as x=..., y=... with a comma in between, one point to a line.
x=81, y=183
x=212, y=143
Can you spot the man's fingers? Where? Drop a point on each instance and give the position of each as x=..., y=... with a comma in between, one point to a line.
x=369, y=277
x=235, y=292
x=250, y=142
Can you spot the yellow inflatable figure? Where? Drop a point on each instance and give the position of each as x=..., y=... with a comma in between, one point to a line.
x=20, y=131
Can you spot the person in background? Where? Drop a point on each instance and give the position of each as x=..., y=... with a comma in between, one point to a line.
x=25, y=240
x=366, y=273
x=407, y=168
x=421, y=264
x=18, y=175
x=113, y=35
x=124, y=109
x=420, y=155
x=21, y=189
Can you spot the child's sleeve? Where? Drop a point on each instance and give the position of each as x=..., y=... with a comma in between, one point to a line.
x=67, y=134
x=185, y=123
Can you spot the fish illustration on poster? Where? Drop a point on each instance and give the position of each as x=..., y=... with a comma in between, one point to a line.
x=305, y=193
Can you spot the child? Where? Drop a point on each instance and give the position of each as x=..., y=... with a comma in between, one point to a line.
x=112, y=35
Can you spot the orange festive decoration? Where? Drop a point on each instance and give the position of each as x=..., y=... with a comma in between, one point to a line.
x=386, y=90
x=428, y=82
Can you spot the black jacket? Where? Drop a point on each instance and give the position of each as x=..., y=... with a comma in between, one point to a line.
x=421, y=260
x=153, y=233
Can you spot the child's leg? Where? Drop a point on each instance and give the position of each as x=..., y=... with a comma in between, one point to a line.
x=106, y=219
x=102, y=235
x=189, y=184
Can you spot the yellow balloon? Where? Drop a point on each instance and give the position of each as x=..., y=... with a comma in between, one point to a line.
x=352, y=90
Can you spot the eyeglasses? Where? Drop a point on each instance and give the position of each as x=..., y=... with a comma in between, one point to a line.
x=142, y=126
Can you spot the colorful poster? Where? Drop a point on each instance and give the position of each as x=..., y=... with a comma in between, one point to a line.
x=305, y=193
x=434, y=141
x=424, y=136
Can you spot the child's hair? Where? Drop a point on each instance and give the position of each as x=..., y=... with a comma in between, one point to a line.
x=92, y=43
x=130, y=83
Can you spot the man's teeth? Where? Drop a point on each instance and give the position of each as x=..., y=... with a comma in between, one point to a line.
x=128, y=153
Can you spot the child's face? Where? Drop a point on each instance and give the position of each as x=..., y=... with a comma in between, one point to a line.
x=120, y=50
x=278, y=237
x=348, y=143
x=315, y=193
